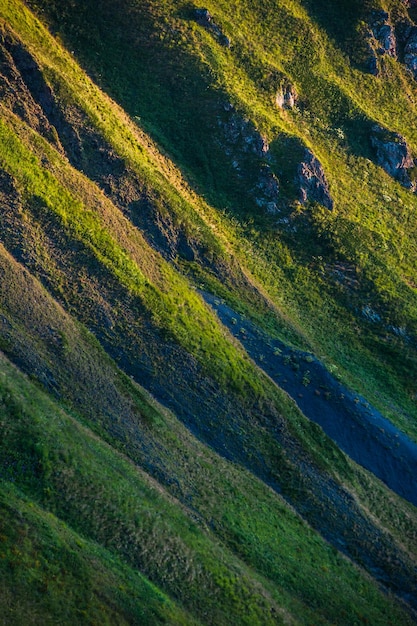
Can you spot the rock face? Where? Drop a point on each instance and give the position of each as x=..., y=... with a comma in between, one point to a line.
x=247, y=150
x=205, y=19
x=393, y=155
x=241, y=134
x=267, y=190
x=286, y=97
x=410, y=51
x=382, y=39
x=312, y=181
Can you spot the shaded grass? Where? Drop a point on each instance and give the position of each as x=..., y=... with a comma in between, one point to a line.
x=169, y=304
x=240, y=510
x=336, y=100
x=51, y=575
x=281, y=263
x=103, y=497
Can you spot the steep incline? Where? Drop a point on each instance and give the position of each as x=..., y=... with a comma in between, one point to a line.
x=221, y=112
x=234, y=507
x=356, y=427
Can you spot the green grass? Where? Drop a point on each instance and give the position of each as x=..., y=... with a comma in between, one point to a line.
x=51, y=575
x=105, y=499
x=171, y=304
x=45, y=453
x=339, y=102
x=153, y=506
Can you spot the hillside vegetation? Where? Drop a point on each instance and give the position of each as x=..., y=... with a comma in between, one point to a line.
x=208, y=237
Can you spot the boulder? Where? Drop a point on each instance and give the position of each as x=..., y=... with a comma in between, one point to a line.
x=241, y=135
x=312, y=182
x=382, y=40
x=203, y=16
x=386, y=37
x=248, y=153
x=393, y=155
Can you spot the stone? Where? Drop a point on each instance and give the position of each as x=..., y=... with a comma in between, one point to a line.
x=225, y=41
x=382, y=40
x=393, y=155
x=387, y=40
x=286, y=97
x=205, y=19
x=203, y=16
x=312, y=182
x=410, y=51
x=242, y=134
x=249, y=156
x=267, y=190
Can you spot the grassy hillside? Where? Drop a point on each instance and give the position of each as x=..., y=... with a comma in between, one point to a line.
x=175, y=80
x=150, y=471
x=69, y=472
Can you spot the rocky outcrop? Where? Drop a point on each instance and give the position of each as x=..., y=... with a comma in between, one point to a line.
x=248, y=151
x=382, y=40
x=312, y=182
x=410, y=51
x=266, y=190
x=286, y=97
x=240, y=134
x=394, y=155
x=384, y=34
x=401, y=43
x=205, y=19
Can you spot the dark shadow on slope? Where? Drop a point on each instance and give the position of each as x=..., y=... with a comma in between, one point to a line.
x=25, y=91
x=36, y=101
x=150, y=69
x=287, y=152
x=357, y=428
x=357, y=131
x=341, y=21
x=220, y=418
x=338, y=114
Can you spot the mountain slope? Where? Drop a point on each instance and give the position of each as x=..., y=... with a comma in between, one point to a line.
x=337, y=108
x=235, y=506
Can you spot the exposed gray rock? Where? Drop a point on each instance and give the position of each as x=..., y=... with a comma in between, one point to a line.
x=286, y=97
x=393, y=155
x=382, y=40
x=386, y=37
x=267, y=190
x=371, y=315
x=205, y=19
x=241, y=134
x=383, y=33
x=312, y=182
x=410, y=51
x=249, y=154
